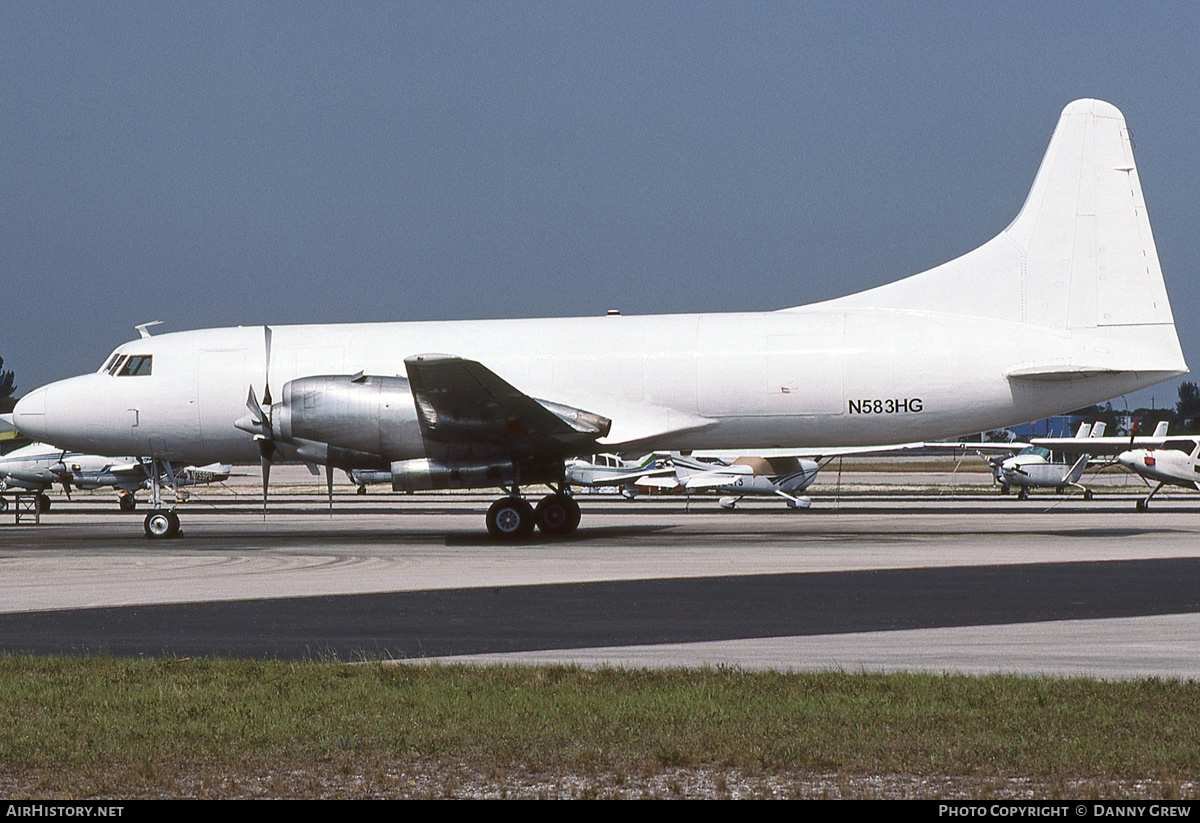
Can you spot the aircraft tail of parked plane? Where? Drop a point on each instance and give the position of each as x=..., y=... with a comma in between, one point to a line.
x=1064, y=308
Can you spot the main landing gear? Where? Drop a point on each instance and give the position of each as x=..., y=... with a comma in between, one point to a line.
x=513, y=518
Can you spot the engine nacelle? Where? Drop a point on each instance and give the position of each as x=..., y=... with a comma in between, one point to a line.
x=356, y=415
x=424, y=474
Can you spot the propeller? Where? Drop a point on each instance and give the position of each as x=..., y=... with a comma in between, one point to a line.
x=994, y=463
x=60, y=471
x=258, y=422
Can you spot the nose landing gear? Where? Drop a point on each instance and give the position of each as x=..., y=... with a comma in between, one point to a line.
x=161, y=523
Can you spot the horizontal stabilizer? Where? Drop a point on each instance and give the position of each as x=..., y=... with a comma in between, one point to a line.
x=1059, y=371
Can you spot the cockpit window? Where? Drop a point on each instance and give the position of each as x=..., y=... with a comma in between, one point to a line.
x=136, y=365
x=110, y=362
x=1040, y=451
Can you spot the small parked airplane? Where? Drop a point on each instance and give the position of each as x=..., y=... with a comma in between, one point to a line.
x=782, y=477
x=1160, y=458
x=38, y=466
x=1063, y=308
x=592, y=471
x=614, y=470
x=1036, y=467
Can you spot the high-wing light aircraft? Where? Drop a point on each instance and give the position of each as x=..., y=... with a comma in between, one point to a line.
x=38, y=466
x=1160, y=458
x=785, y=472
x=1035, y=467
x=1066, y=307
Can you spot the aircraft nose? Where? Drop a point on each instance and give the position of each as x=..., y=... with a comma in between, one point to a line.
x=29, y=415
x=49, y=414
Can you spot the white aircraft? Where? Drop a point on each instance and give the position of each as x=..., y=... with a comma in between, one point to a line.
x=1066, y=307
x=1160, y=458
x=782, y=477
x=38, y=466
x=614, y=470
x=785, y=472
x=592, y=471
x=1035, y=466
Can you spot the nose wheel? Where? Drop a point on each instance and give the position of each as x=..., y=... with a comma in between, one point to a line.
x=161, y=524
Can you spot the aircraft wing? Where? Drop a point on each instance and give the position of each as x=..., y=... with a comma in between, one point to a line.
x=658, y=482
x=1115, y=445
x=711, y=480
x=915, y=448
x=467, y=411
x=627, y=477
x=129, y=468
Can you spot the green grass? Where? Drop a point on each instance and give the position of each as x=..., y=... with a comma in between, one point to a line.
x=109, y=727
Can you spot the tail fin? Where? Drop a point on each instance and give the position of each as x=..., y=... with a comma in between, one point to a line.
x=1098, y=429
x=1079, y=254
x=1084, y=430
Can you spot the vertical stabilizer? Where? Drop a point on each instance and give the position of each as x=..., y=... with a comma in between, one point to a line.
x=1079, y=255
x=1088, y=253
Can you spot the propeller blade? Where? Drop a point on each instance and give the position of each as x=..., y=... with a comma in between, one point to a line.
x=260, y=419
x=265, y=460
x=255, y=409
x=329, y=485
x=267, y=367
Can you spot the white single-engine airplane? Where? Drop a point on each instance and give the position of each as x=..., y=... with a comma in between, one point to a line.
x=38, y=466
x=784, y=473
x=1161, y=458
x=1064, y=308
x=1035, y=467
x=782, y=477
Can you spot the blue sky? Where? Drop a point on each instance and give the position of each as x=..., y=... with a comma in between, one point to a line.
x=213, y=163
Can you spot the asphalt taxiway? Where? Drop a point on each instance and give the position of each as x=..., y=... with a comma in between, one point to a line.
x=871, y=582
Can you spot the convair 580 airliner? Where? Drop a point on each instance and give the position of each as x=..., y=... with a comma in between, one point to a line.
x=1064, y=308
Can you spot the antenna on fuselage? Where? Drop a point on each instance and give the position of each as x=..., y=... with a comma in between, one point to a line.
x=143, y=329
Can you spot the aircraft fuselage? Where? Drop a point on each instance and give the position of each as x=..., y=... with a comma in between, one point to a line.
x=802, y=377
